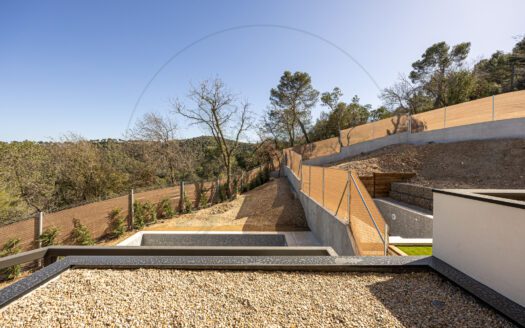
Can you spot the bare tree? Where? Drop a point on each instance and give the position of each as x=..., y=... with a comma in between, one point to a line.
x=161, y=131
x=218, y=110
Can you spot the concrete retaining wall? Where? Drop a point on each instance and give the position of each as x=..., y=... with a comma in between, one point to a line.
x=513, y=128
x=412, y=194
x=327, y=228
x=405, y=221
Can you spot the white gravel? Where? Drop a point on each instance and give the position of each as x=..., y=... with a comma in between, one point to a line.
x=179, y=298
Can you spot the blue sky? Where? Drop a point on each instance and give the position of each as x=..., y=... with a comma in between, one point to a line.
x=79, y=66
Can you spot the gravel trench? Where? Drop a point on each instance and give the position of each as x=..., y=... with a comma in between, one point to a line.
x=179, y=298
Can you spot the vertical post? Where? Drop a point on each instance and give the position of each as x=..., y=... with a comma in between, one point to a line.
x=409, y=123
x=445, y=118
x=39, y=225
x=386, y=239
x=323, y=187
x=348, y=196
x=181, y=198
x=374, y=184
x=309, y=180
x=301, y=174
x=493, y=112
x=131, y=209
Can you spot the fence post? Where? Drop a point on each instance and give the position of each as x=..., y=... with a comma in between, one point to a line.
x=181, y=198
x=374, y=184
x=309, y=180
x=493, y=112
x=409, y=123
x=323, y=186
x=301, y=174
x=445, y=118
x=131, y=209
x=386, y=239
x=39, y=225
x=348, y=179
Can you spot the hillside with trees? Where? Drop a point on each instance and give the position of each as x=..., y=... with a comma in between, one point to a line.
x=46, y=176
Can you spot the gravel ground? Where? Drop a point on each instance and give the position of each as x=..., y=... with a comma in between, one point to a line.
x=178, y=298
x=469, y=164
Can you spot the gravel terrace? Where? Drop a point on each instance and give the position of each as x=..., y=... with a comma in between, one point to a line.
x=179, y=298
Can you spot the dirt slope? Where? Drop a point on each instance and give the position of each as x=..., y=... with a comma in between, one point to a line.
x=470, y=164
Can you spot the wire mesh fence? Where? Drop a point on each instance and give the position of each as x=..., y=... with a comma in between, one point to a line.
x=94, y=215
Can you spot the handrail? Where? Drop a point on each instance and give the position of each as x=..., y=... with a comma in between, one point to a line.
x=51, y=253
x=368, y=210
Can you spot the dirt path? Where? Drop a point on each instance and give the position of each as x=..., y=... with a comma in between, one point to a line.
x=270, y=207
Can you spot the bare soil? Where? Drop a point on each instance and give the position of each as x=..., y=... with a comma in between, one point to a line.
x=268, y=207
x=471, y=164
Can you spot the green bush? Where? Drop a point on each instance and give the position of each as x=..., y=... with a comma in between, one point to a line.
x=48, y=237
x=145, y=214
x=81, y=235
x=165, y=209
x=188, y=204
x=116, y=223
x=11, y=247
x=203, y=198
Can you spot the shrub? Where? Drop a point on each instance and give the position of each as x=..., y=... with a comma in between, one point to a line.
x=203, y=198
x=81, y=234
x=165, y=209
x=188, y=204
x=116, y=223
x=145, y=214
x=11, y=247
x=48, y=236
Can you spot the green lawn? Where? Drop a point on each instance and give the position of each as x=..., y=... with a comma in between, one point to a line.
x=416, y=250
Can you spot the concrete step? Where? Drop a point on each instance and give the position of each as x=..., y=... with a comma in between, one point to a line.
x=405, y=220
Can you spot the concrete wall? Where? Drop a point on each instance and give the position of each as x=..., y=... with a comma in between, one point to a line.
x=327, y=228
x=405, y=221
x=483, y=240
x=513, y=128
x=412, y=194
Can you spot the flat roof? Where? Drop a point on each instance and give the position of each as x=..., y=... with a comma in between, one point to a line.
x=210, y=298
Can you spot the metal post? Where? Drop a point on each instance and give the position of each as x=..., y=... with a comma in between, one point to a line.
x=445, y=118
x=301, y=174
x=386, y=239
x=409, y=123
x=309, y=180
x=39, y=225
x=493, y=112
x=348, y=198
x=131, y=209
x=323, y=188
x=181, y=198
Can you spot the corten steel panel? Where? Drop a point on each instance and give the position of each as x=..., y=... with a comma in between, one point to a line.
x=336, y=192
x=510, y=105
x=305, y=182
x=316, y=181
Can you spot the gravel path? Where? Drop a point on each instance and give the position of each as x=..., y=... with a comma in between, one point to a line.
x=178, y=298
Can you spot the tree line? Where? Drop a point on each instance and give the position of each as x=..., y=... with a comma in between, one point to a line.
x=44, y=176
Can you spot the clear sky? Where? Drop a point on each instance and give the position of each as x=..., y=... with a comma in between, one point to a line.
x=79, y=66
